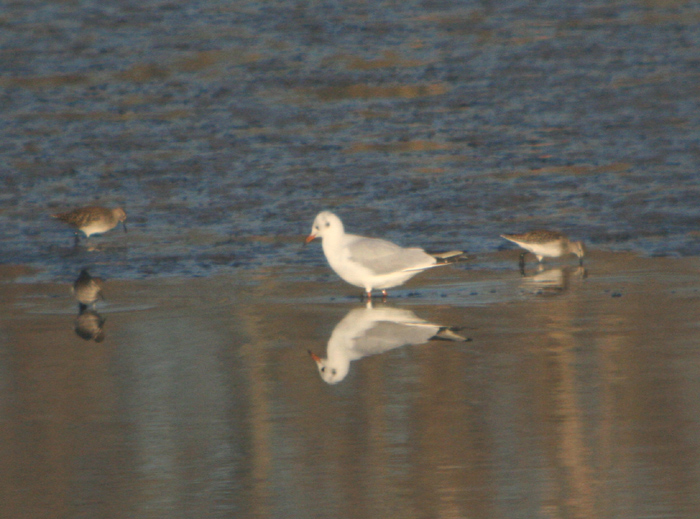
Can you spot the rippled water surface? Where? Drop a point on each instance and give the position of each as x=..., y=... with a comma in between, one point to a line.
x=475, y=391
x=223, y=127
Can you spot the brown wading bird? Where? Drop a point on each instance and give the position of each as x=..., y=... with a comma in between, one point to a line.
x=546, y=244
x=93, y=219
x=87, y=290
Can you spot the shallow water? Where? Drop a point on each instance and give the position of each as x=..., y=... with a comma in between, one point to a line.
x=224, y=128
x=576, y=396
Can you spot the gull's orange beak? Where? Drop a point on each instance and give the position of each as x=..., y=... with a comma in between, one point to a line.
x=309, y=239
x=314, y=356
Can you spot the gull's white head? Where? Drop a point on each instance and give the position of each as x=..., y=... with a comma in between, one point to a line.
x=329, y=373
x=325, y=224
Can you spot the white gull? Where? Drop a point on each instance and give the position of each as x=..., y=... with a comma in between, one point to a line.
x=372, y=263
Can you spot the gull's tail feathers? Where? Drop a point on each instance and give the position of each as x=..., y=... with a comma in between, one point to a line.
x=442, y=259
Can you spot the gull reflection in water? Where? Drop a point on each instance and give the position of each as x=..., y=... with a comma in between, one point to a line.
x=87, y=290
x=551, y=281
x=370, y=331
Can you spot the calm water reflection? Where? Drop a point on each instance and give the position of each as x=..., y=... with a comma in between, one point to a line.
x=222, y=128
x=89, y=325
x=87, y=290
x=203, y=402
x=551, y=280
x=371, y=331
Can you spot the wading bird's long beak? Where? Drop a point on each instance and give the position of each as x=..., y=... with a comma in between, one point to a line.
x=124, y=225
x=315, y=357
x=309, y=239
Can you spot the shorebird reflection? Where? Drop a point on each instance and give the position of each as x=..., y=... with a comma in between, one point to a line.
x=370, y=331
x=551, y=281
x=87, y=290
x=89, y=325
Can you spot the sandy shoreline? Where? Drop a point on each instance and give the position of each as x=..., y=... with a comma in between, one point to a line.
x=203, y=388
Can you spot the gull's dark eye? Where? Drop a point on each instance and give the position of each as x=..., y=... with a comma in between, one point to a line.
x=323, y=369
x=328, y=224
x=333, y=372
x=316, y=227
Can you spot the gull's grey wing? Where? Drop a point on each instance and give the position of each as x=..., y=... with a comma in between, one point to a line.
x=383, y=257
x=386, y=335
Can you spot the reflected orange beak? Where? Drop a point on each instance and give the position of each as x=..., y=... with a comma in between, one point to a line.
x=314, y=356
x=309, y=239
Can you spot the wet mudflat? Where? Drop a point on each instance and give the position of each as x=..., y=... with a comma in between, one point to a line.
x=222, y=128
x=577, y=396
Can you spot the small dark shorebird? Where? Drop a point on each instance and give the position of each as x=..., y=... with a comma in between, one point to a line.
x=87, y=290
x=93, y=219
x=546, y=244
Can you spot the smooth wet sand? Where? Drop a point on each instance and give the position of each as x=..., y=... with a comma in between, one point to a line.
x=579, y=397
